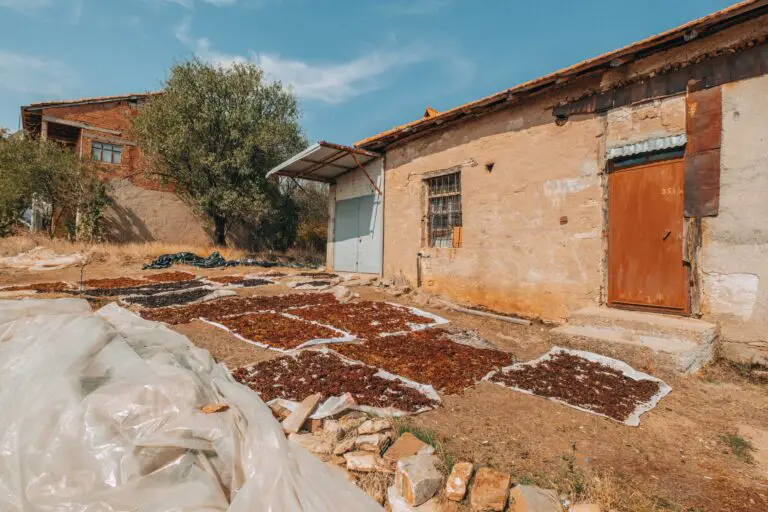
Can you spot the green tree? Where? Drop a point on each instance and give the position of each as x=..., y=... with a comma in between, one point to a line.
x=216, y=132
x=47, y=174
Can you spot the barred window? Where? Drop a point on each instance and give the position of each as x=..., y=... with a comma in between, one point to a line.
x=444, y=215
x=107, y=153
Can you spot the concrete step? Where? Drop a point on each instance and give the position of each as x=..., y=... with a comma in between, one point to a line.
x=685, y=344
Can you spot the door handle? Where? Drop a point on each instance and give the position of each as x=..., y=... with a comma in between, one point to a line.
x=666, y=234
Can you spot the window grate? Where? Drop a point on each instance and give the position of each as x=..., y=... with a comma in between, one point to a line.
x=444, y=210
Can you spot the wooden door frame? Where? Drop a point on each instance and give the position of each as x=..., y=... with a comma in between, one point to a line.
x=691, y=244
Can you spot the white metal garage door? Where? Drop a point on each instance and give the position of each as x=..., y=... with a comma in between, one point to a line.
x=357, y=235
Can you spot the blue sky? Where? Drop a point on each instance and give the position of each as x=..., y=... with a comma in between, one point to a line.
x=358, y=67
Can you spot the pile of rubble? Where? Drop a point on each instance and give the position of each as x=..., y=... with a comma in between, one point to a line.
x=405, y=474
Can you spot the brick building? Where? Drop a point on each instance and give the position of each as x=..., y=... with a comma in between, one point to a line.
x=99, y=129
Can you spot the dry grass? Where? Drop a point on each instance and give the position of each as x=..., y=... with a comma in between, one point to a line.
x=127, y=253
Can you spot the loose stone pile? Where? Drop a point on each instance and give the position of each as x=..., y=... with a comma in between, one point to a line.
x=406, y=474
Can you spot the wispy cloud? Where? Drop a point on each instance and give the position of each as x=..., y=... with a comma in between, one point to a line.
x=327, y=82
x=69, y=11
x=31, y=74
x=415, y=7
x=189, y=4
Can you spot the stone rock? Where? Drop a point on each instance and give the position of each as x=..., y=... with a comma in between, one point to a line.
x=338, y=460
x=373, y=426
x=489, y=491
x=342, y=293
x=371, y=442
x=345, y=446
x=458, y=481
x=312, y=425
x=585, y=507
x=351, y=421
x=417, y=478
x=332, y=430
x=398, y=504
x=405, y=446
x=529, y=498
x=279, y=412
x=296, y=419
x=312, y=443
x=364, y=462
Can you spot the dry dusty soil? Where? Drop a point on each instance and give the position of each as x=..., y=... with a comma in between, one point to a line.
x=677, y=459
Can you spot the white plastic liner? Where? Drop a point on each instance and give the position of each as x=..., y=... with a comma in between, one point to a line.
x=338, y=404
x=234, y=285
x=100, y=412
x=41, y=258
x=344, y=337
x=436, y=320
x=633, y=419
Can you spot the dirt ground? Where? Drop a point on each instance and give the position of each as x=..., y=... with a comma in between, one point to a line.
x=677, y=459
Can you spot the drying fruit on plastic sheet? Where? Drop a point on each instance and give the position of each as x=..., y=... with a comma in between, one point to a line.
x=220, y=308
x=144, y=289
x=166, y=277
x=118, y=282
x=276, y=330
x=366, y=319
x=58, y=286
x=429, y=357
x=169, y=299
x=581, y=383
x=314, y=372
x=318, y=275
x=240, y=280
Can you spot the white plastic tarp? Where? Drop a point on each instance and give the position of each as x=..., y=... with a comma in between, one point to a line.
x=41, y=258
x=101, y=412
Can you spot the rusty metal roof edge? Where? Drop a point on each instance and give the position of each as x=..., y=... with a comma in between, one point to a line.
x=558, y=77
x=312, y=149
x=87, y=101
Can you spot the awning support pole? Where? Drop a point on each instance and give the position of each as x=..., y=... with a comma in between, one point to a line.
x=366, y=174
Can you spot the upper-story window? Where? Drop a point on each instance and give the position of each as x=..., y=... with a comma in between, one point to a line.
x=107, y=153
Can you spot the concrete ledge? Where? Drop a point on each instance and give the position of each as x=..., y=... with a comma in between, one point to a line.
x=674, y=343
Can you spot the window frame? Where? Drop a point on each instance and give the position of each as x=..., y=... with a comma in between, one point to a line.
x=101, y=149
x=444, y=207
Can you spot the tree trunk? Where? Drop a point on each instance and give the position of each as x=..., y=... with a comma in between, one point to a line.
x=220, y=231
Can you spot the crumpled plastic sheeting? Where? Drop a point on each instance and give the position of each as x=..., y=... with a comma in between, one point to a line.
x=41, y=258
x=100, y=412
x=215, y=260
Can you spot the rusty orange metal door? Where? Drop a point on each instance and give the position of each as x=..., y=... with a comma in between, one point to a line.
x=645, y=238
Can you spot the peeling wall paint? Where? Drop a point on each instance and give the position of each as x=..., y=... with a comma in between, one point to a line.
x=731, y=294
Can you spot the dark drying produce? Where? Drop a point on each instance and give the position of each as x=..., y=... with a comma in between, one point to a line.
x=313, y=372
x=582, y=383
x=228, y=306
x=239, y=280
x=276, y=330
x=118, y=282
x=170, y=299
x=429, y=357
x=315, y=283
x=366, y=319
x=250, y=283
x=166, y=277
x=58, y=286
x=318, y=275
x=145, y=289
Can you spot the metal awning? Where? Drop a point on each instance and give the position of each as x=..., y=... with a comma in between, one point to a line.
x=324, y=161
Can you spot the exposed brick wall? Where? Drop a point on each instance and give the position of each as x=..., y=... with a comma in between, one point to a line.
x=118, y=116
